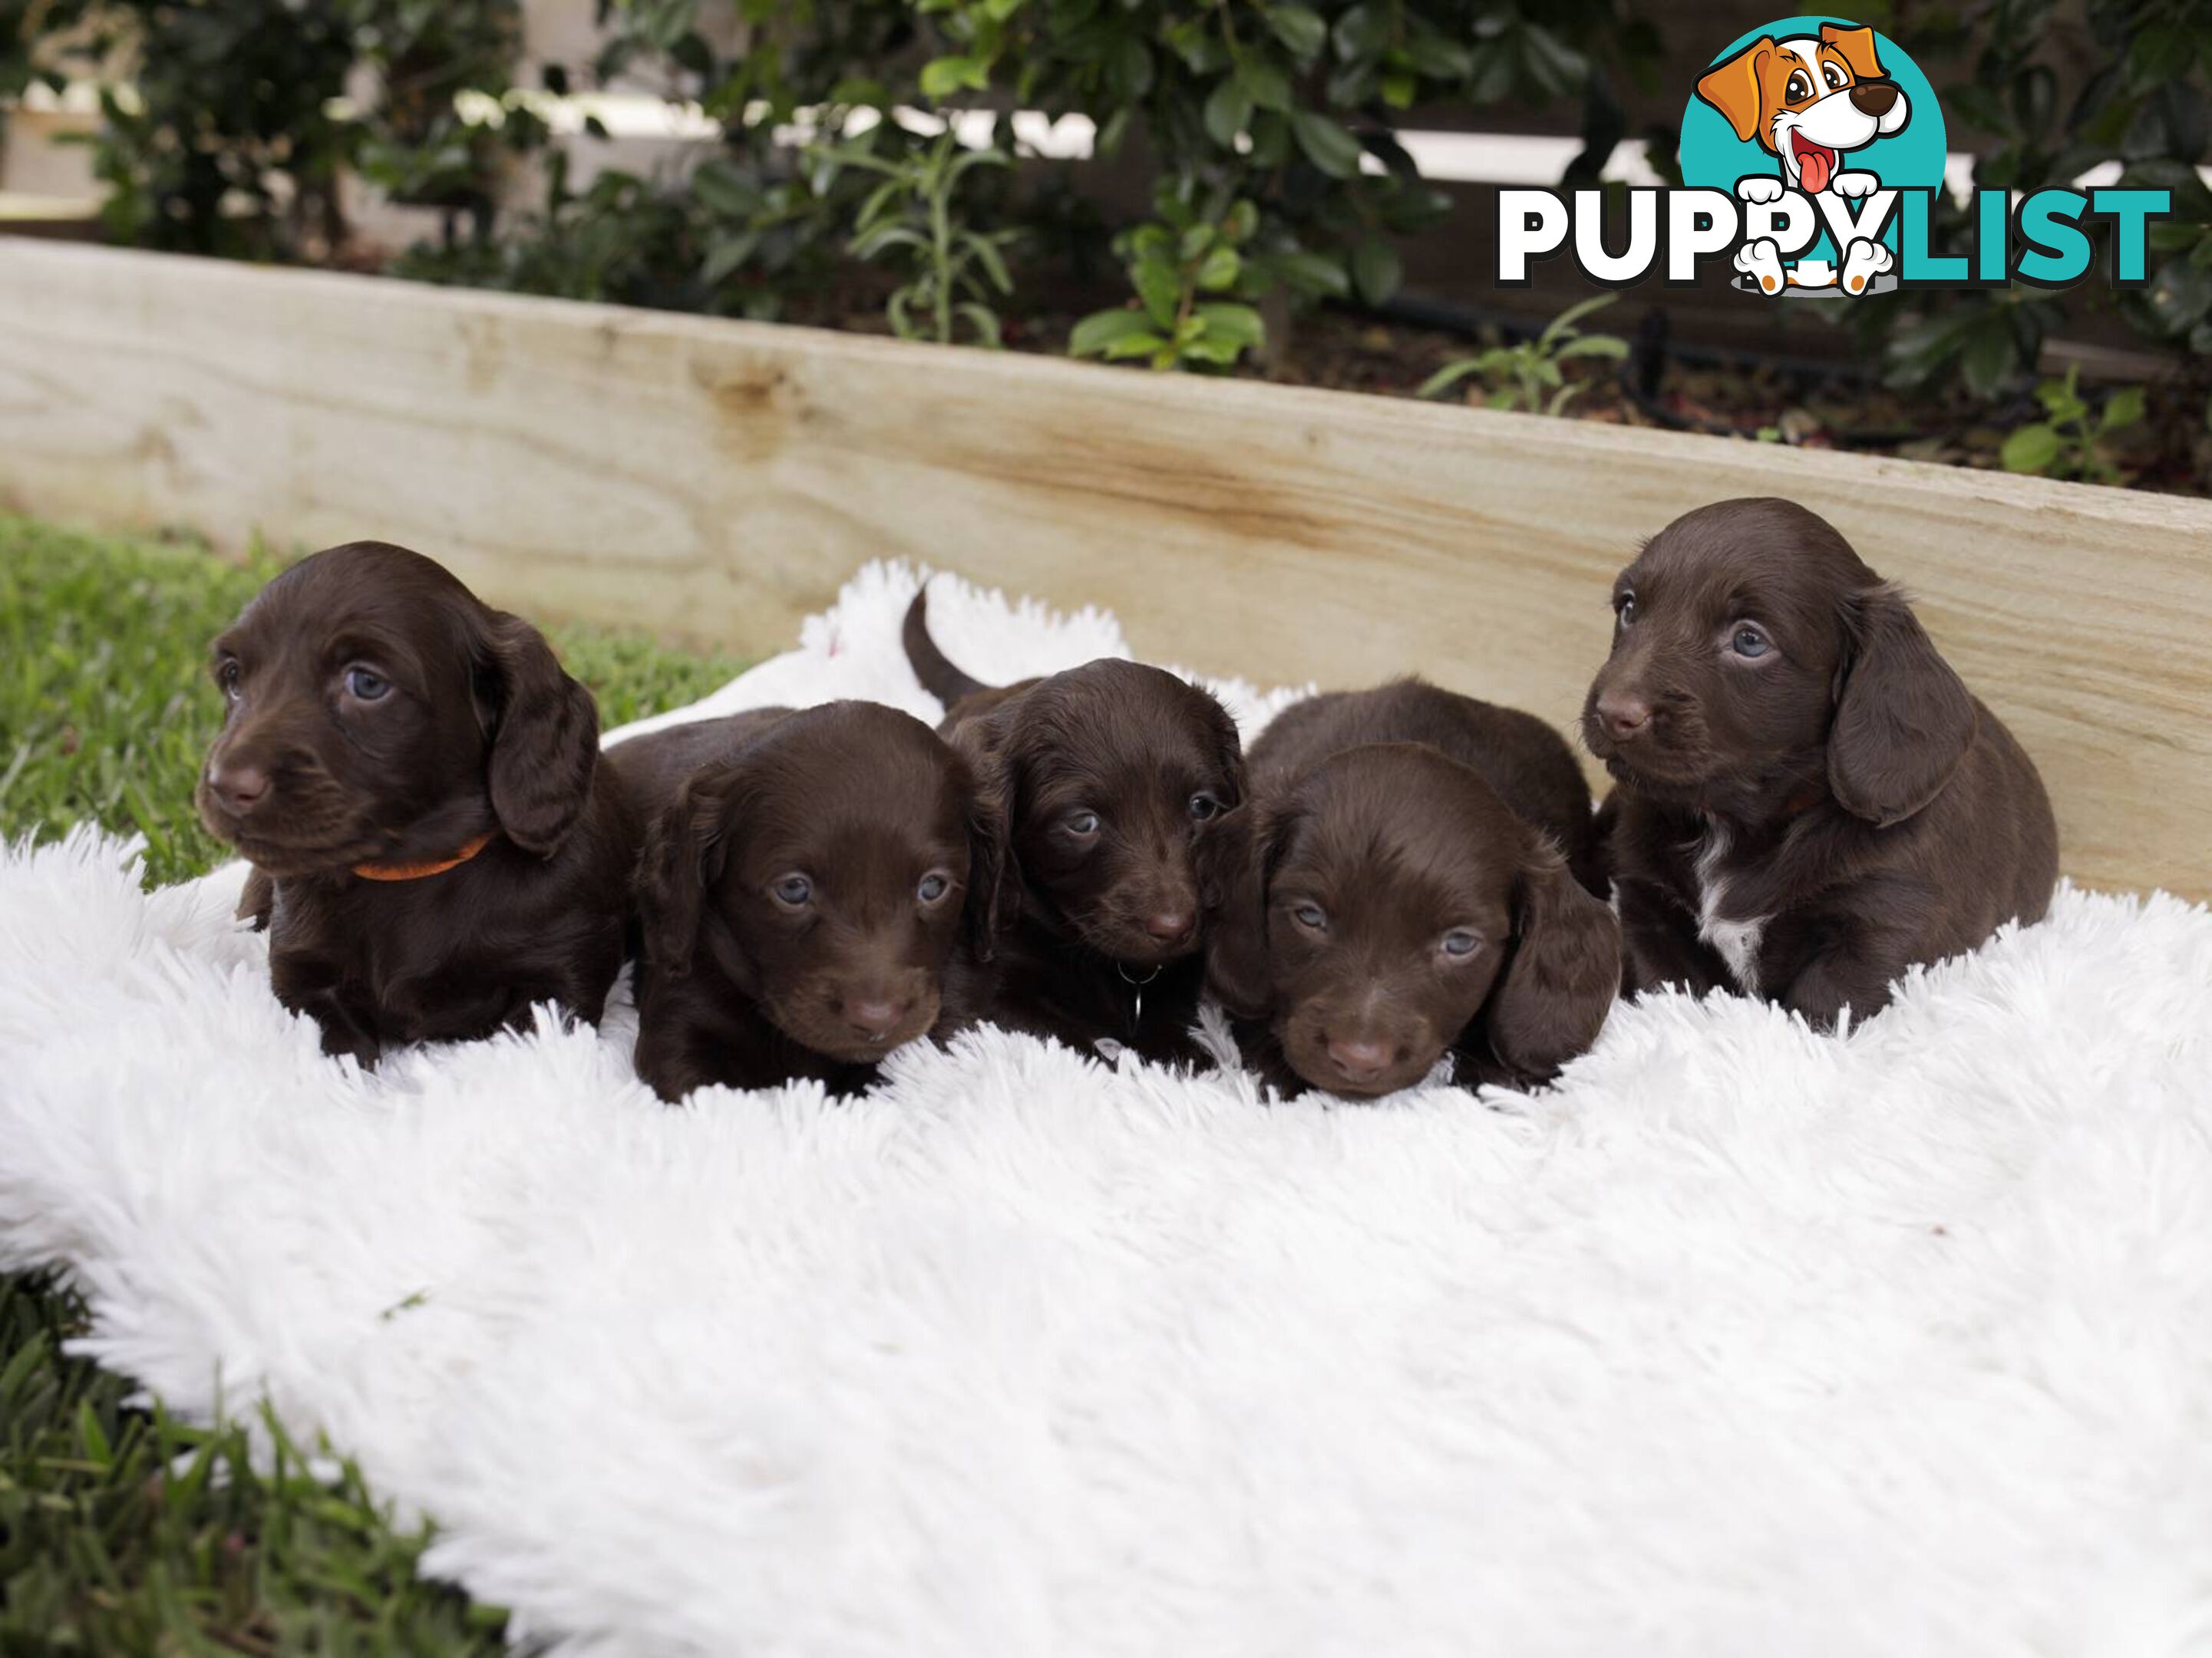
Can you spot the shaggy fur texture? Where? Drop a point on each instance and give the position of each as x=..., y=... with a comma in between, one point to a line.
x=1740, y=1340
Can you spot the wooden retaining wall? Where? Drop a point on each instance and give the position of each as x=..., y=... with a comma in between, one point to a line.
x=716, y=480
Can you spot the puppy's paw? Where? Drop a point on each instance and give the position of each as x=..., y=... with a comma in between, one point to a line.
x=1863, y=262
x=1760, y=187
x=1761, y=261
x=1855, y=184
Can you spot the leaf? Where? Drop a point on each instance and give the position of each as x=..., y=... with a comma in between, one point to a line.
x=1448, y=376
x=1159, y=285
x=1103, y=328
x=2125, y=408
x=985, y=320
x=1377, y=269
x=1299, y=30
x=1222, y=268
x=1326, y=144
x=999, y=11
x=1135, y=345
x=1362, y=32
x=1562, y=398
x=943, y=76
x=726, y=255
x=1228, y=110
x=1239, y=323
x=1398, y=89
x=985, y=249
x=1315, y=276
x=723, y=189
x=1207, y=349
x=1592, y=345
x=1240, y=221
x=1565, y=322
x=1265, y=85
x=2030, y=449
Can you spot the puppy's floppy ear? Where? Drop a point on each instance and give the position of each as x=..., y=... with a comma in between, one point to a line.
x=684, y=853
x=1551, y=1000
x=1904, y=721
x=989, y=749
x=1733, y=88
x=545, y=735
x=1234, y=855
x=1857, y=48
x=991, y=872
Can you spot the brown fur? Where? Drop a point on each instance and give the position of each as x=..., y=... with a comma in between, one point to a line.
x=1388, y=828
x=1842, y=786
x=878, y=819
x=478, y=732
x=1107, y=776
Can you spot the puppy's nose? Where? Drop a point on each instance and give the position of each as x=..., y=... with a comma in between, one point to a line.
x=1873, y=97
x=1170, y=927
x=1624, y=716
x=1359, y=1061
x=237, y=786
x=877, y=1016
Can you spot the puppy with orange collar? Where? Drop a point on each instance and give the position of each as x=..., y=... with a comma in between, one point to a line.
x=1809, y=102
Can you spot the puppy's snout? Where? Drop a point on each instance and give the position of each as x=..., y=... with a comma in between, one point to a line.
x=1874, y=98
x=1624, y=716
x=874, y=1014
x=237, y=786
x=1171, y=926
x=1360, y=1060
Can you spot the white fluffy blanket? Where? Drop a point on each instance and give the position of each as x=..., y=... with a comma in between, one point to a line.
x=1740, y=1340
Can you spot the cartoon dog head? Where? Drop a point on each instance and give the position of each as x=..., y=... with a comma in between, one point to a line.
x=1807, y=100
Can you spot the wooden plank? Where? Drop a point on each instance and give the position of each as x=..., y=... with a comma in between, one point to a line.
x=717, y=480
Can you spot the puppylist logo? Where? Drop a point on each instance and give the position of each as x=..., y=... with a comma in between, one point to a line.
x=1813, y=150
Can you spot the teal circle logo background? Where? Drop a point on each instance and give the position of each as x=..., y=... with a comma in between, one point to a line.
x=1715, y=158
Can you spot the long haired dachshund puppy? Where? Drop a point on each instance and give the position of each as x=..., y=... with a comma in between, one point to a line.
x=416, y=784
x=1108, y=776
x=816, y=890
x=1397, y=891
x=1809, y=801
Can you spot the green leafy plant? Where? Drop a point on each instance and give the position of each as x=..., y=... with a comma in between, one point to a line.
x=1176, y=262
x=2070, y=442
x=226, y=126
x=2141, y=98
x=1527, y=375
x=911, y=220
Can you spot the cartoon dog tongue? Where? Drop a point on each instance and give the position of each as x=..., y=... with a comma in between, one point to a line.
x=1814, y=163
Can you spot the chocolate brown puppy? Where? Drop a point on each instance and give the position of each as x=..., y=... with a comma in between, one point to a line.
x=416, y=784
x=816, y=890
x=1108, y=776
x=1397, y=891
x=1810, y=800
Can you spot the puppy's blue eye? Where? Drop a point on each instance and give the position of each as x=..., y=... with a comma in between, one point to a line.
x=1310, y=915
x=1460, y=942
x=365, y=684
x=1084, y=823
x=1749, y=641
x=231, y=677
x=1627, y=609
x=793, y=890
x=1203, y=806
x=931, y=888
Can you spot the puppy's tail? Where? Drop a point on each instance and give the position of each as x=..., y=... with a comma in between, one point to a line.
x=939, y=676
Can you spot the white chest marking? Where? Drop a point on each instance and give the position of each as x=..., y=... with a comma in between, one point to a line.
x=1737, y=941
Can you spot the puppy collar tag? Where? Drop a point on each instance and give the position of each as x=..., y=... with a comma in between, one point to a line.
x=417, y=871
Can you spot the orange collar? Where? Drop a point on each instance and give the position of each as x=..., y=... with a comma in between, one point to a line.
x=416, y=871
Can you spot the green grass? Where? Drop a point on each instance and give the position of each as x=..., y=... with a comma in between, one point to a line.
x=122, y=1531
